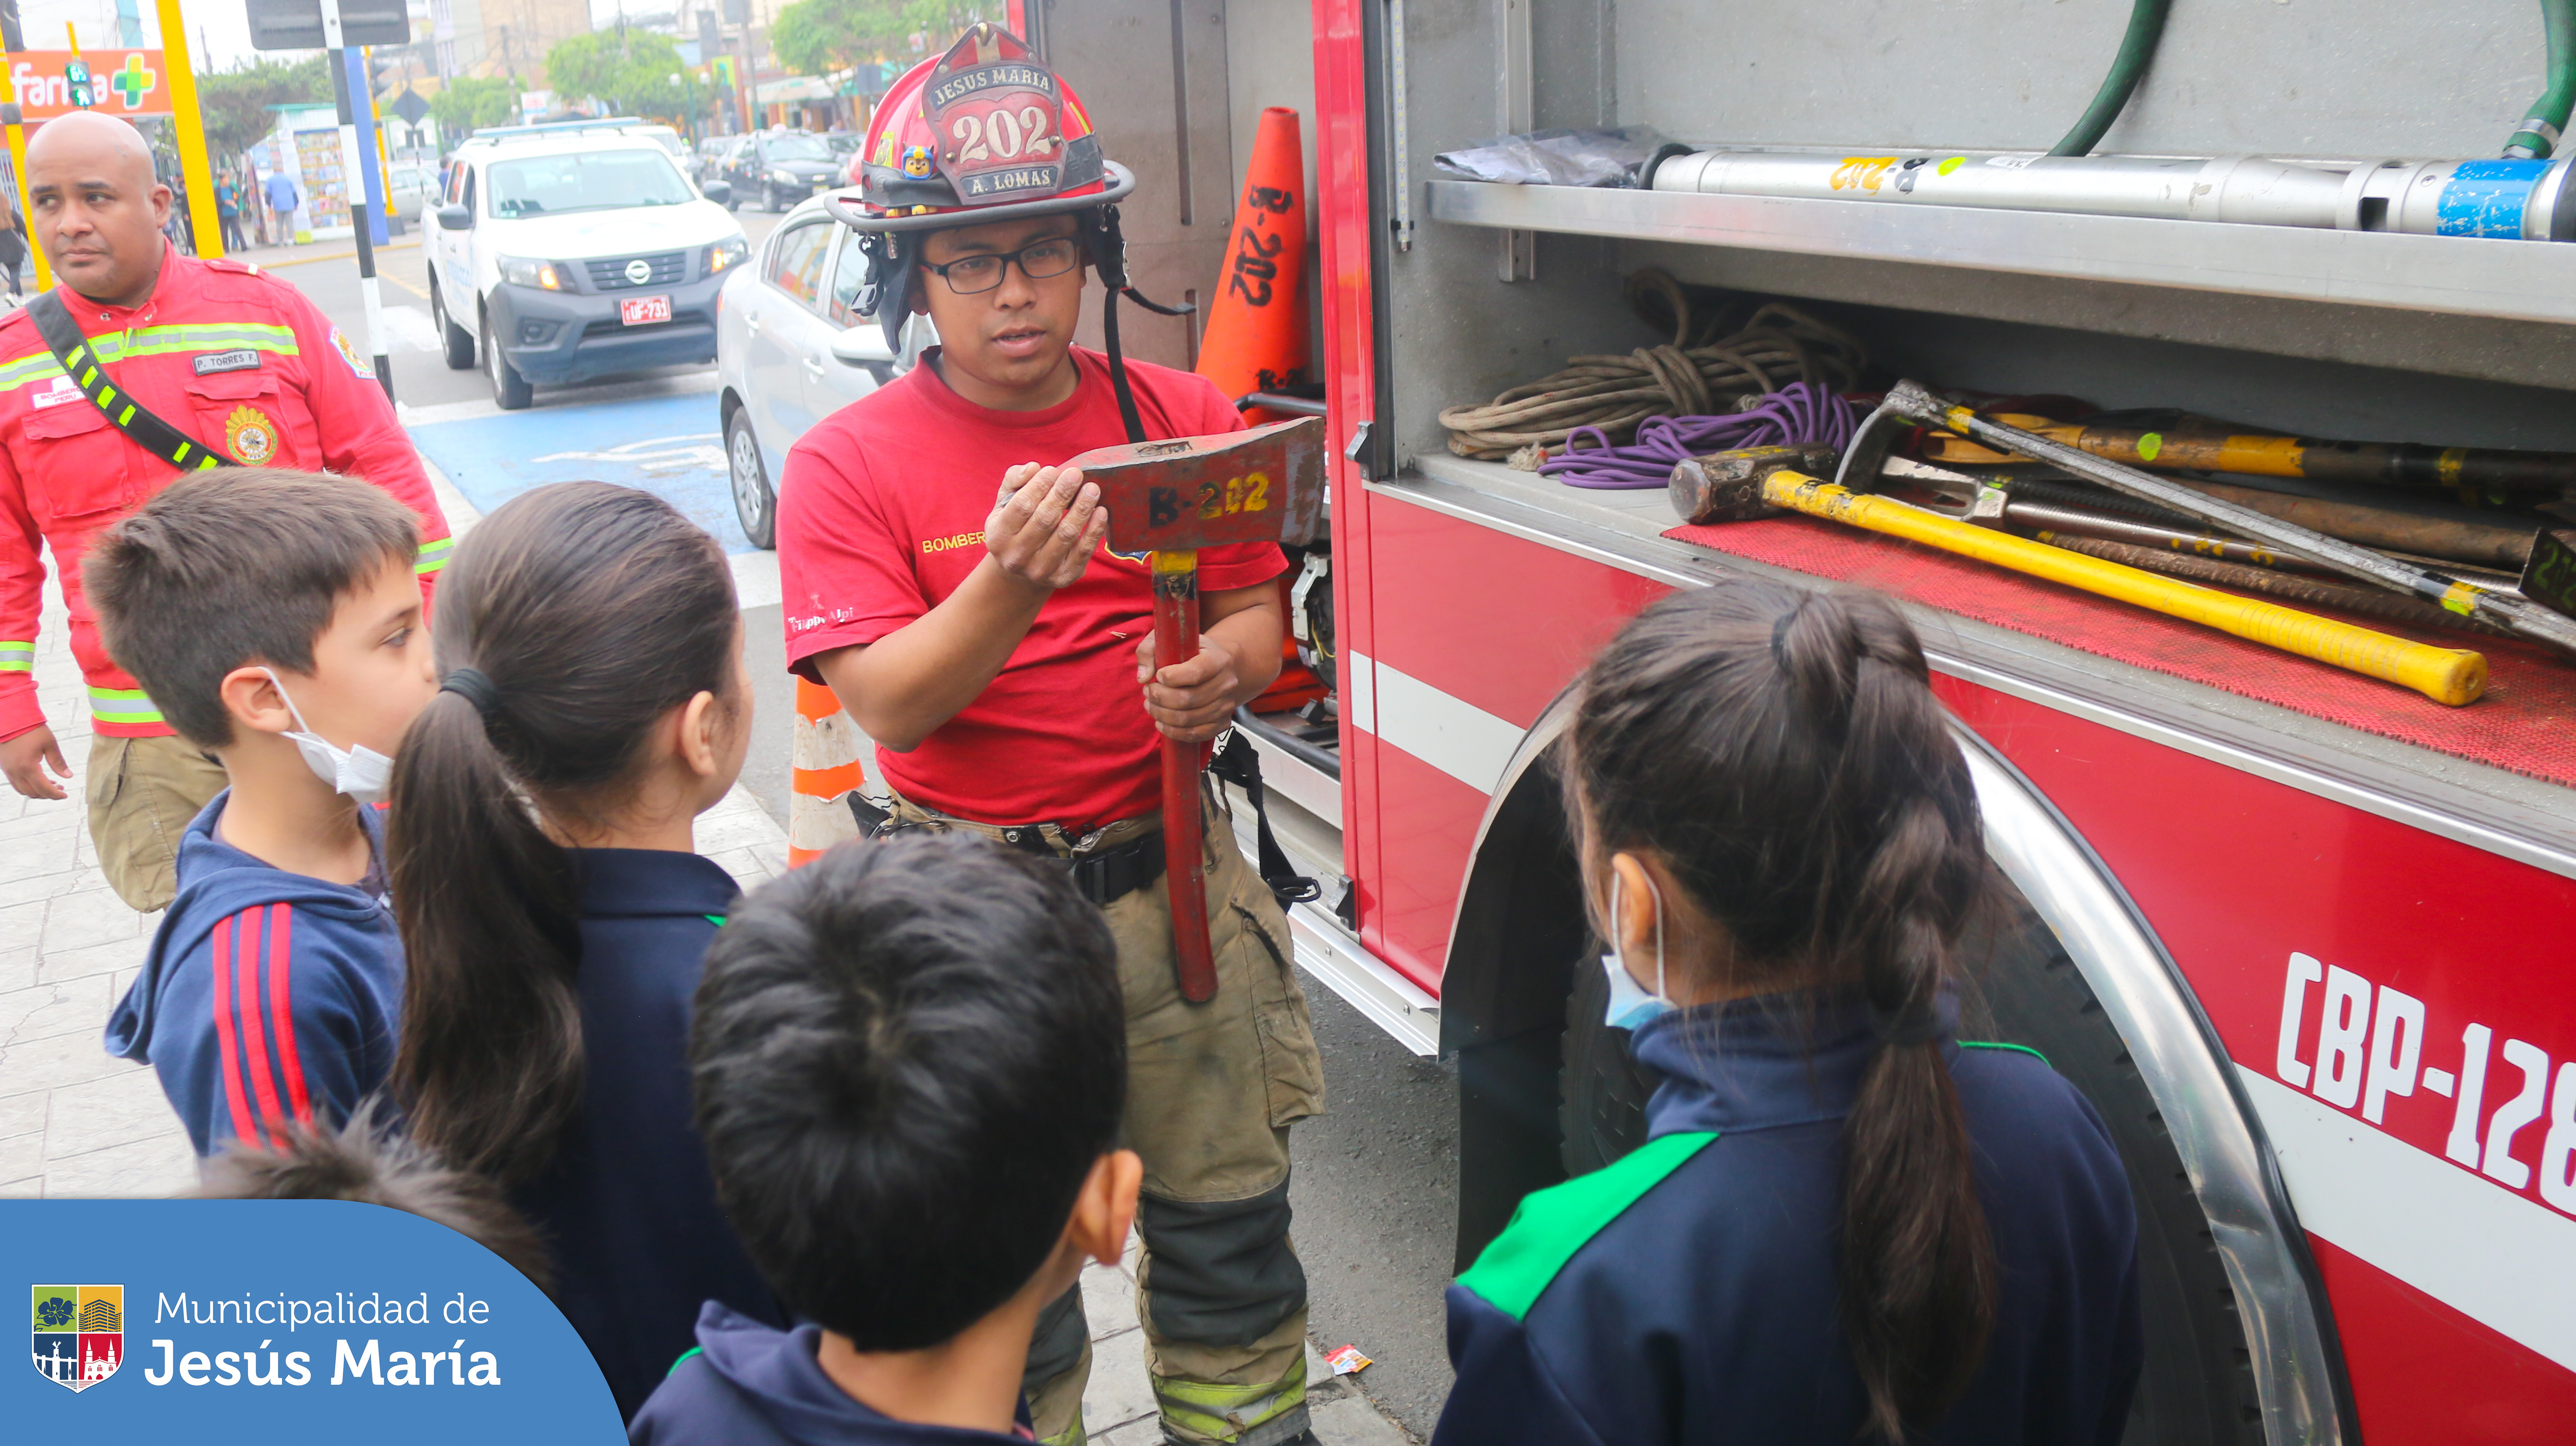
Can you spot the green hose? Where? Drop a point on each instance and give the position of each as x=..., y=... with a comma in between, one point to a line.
x=2538, y=135
x=2146, y=27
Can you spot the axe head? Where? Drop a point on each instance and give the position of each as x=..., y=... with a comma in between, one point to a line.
x=1727, y=486
x=1262, y=485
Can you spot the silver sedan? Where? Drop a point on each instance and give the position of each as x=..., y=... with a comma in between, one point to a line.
x=792, y=348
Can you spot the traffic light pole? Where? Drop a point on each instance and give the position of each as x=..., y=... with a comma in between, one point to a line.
x=343, y=82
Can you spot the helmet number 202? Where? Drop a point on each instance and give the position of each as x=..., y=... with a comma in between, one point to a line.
x=1003, y=134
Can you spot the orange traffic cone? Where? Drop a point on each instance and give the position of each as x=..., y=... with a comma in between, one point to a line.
x=824, y=765
x=1256, y=326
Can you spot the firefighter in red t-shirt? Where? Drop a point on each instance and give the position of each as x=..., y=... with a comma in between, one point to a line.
x=950, y=587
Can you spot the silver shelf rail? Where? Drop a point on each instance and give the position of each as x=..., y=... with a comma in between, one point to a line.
x=2461, y=276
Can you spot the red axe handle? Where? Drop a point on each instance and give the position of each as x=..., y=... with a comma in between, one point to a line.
x=1176, y=640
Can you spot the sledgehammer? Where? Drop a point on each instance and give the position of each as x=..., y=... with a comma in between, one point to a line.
x=1167, y=500
x=1734, y=487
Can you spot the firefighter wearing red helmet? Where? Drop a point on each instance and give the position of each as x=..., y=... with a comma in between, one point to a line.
x=948, y=582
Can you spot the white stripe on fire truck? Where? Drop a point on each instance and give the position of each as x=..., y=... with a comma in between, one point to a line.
x=1449, y=733
x=2504, y=1261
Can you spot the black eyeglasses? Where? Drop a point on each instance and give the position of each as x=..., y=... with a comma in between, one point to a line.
x=1037, y=261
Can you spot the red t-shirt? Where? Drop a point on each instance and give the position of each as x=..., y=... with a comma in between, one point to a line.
x=881, y=512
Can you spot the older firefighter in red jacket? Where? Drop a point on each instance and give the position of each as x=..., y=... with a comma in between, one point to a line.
x=996, y=653
x=237, y=362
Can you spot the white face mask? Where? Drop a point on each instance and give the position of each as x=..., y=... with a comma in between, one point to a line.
x=1629, y=1005
x=359, y=772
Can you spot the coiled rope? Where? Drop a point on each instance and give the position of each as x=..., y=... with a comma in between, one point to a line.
x=1700, y=372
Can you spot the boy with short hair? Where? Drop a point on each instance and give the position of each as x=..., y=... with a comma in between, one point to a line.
x=370, y=1161
x=274, y=617
x=910, y=1063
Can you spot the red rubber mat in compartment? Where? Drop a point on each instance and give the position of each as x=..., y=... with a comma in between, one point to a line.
x=2526, y=722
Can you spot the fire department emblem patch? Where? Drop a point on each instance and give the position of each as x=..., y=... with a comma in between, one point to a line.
x=79, y=1333
x=349, y=353
x=250, y=438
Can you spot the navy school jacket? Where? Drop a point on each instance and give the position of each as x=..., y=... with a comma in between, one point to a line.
x=628, y=1206
x=749, y=1384
x=1687, y=1293
x=268, y=997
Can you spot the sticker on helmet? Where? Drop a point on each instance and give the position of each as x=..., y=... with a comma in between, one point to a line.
x=996, y=118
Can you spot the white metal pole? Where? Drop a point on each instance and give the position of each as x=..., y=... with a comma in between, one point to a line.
x=353, y=170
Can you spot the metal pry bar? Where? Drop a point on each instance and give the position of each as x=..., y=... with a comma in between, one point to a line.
x=1913, y=402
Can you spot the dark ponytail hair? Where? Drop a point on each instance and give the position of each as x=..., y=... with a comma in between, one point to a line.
x=593, y=611
x=1780, y=752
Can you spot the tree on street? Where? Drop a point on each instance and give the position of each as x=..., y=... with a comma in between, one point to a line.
x=631, y=71
x=235, y=103
x=470, y=102
x=813, y=37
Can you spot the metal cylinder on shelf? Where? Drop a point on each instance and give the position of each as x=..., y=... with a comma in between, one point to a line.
x=2524, y=200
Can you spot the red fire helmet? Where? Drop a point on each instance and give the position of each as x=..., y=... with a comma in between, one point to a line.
x=986, y=131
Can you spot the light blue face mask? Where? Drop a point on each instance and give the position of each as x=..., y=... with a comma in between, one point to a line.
x=1630, y=1006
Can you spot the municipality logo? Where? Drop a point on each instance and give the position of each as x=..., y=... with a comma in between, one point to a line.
x=79, y=1333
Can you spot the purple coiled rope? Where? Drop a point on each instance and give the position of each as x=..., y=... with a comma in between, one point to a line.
x=1800, y=412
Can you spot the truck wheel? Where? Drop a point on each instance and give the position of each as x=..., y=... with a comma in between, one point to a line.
x=458, y=342
x=2198, y=1382
x=509, y=389
x=753, y=500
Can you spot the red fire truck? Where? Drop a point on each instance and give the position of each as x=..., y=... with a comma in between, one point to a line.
x=2308, y=941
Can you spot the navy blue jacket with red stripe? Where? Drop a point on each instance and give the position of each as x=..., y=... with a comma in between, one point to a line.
x=268, y=997
x=1688, y=1293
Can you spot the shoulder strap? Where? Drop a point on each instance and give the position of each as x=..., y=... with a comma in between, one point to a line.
x=1238, y=764
x=71, y=349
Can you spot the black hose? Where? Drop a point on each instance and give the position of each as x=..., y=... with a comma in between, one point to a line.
x=2146, y=28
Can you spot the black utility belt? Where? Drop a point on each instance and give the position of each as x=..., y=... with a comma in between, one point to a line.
x=1103, y=876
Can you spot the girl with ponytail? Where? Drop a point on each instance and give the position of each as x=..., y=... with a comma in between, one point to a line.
x=1846, y=1224
x=593, y=703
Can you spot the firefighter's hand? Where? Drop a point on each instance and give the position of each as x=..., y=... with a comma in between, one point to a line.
x=25, y=759
x=1191, y=702
x=1046, y=523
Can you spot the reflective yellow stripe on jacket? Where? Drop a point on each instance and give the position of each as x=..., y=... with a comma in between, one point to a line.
x=122, y=705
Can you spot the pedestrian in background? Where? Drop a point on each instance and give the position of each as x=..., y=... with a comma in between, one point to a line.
x=13, y=245
x=1847, y=1223
x=228, y=361
x=228, y=212
x=283, y=199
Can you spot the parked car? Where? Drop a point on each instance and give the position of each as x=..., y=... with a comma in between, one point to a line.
x=777, y=169
x=572, y=251
x=415, y=193
x=792, y=348
x=708, y=163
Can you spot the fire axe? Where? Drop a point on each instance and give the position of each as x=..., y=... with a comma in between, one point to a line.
x=1166, y=500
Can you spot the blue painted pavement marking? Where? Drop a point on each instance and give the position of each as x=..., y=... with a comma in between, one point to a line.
x=668, y=446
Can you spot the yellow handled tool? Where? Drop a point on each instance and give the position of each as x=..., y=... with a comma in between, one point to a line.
x=2445, y=675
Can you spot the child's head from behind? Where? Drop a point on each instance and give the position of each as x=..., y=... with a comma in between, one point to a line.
x=590, y=662
x=366, y=1161
x=910, y=1062
x=1778, y=755
x=602, y=627
x=243, y=598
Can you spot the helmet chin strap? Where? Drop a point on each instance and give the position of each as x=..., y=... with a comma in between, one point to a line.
x=1108, y=247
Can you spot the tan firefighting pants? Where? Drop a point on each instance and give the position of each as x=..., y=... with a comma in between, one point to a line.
x=142, y=794
x=1211, y=1090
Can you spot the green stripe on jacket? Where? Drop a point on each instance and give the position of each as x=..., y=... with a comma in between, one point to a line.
x=1552, y=1224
